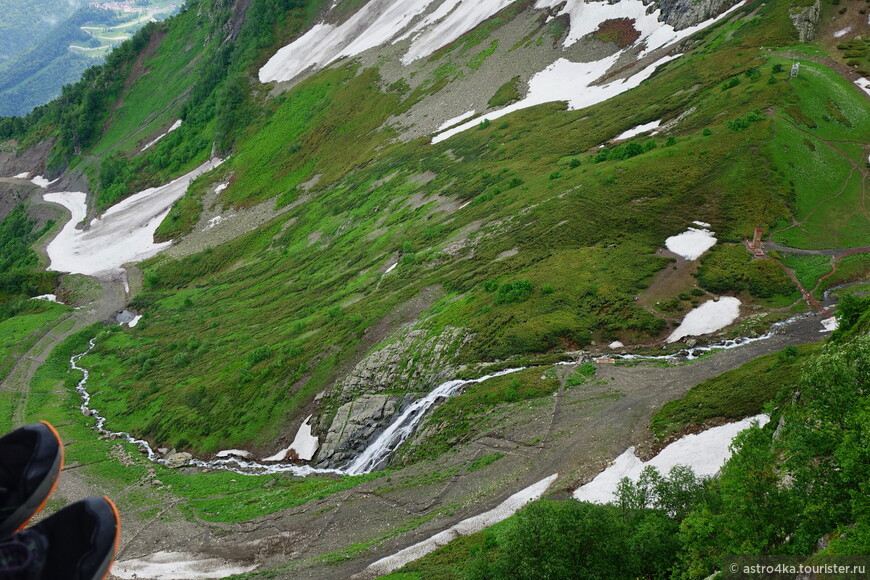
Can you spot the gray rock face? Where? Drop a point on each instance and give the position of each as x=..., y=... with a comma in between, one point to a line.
x=411, y=360
x=355, y=424
x=685, y=13
x=416, y=360
x=806, y=20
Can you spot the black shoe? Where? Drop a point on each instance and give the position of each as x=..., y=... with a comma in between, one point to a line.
x=77, y=543
x=30, y=461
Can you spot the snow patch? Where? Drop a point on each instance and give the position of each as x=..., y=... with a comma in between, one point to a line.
x=702, y=224
x=125, y=233
x=450, y=122
x=587, y=17
x=830, y=324
x=566, y=81
x=615, y=344
x=843, y=32
x=638, y=130
x=23, y=175
x=304, y=444
x=233, y=453
x=863, y=84
x=177, y=566
x=468, y=526
x=174, y=126
x=46, y=297
x=135, y=321
x=708, y=317
x=705, y=453
x=221, y=187
x=215, y=221
x=450, y=21
x=691, y=243
x=377, y=23
x=391, y=268
x=41, y=181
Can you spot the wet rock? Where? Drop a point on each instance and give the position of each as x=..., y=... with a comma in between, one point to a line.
x=355, y=424
x=414, y=359
x=177, y=460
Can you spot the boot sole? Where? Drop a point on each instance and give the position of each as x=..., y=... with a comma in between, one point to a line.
x=37, y=500
x=105, y=567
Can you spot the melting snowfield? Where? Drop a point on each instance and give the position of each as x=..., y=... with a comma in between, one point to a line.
x=176, y=566
x=830, y=324
x=638, y=130
x=41, y=181
x=504, y=510
x=692, y=243
x=709, y=317
x=125, y=233
x=174, y=126
x=382, y=22
x=705, y=453
x=304, y=444
x=566, y=81
x=377, y=23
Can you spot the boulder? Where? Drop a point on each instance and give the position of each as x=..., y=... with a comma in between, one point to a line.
x=177, y=460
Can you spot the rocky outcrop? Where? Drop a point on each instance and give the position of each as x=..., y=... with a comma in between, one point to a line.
x=412, y=359
x=355, y=425
x=806, y=20
x=685, y=13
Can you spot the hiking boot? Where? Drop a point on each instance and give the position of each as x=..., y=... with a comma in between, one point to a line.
x=77, y=543
x=30, y=461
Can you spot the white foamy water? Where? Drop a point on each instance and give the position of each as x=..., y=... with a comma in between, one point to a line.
x=235, y=460
x=709, y=317
x=705, y=453
x=402, y=427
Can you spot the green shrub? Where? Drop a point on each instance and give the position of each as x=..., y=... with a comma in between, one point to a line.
x=511, y=292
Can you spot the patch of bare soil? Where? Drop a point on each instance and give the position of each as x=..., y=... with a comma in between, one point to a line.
x=673, y=279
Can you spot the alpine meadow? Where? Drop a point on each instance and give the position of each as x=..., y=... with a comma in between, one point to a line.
x=445, y=289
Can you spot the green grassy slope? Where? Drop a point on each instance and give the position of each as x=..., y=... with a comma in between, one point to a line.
x=536, y=261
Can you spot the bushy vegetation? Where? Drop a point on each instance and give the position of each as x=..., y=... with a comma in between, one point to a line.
x=739, y=393
x=797, y=486
x=506, y=94
x=733, y=269
x=19, y=278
